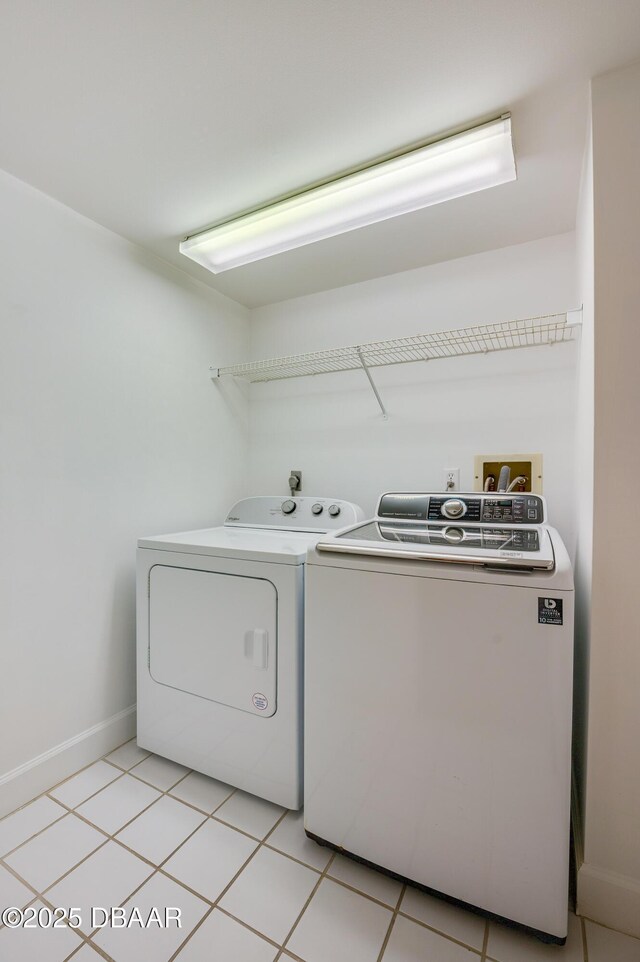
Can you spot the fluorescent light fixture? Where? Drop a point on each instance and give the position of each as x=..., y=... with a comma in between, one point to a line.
x=462, y=164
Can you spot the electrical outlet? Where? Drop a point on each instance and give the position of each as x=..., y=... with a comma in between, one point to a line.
x=452, y=479
x=295, y=482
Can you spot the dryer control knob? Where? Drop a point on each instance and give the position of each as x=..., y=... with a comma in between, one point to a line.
x=453, y=508
x=316, y=509
x=288, y=506
x=334, y=510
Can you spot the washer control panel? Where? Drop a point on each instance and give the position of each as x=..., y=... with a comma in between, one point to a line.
x=523, y=509
x=473, y=508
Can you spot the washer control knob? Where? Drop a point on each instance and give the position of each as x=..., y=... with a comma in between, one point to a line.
x=316, y=509
x=334, y=510
x=288, y=506
x=454, y=535
x=453, y=508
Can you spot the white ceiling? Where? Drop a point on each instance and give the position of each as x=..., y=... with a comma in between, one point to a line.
x=156, y=118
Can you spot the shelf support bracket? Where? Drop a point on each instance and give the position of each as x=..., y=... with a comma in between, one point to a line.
x=366, y=370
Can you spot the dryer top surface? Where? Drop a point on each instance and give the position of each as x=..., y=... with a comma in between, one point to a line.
x=250, y=544
x=270, y=528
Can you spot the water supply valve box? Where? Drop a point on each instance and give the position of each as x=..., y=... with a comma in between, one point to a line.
x=486, y=468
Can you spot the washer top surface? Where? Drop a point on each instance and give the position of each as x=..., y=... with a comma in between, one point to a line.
x=264, y=529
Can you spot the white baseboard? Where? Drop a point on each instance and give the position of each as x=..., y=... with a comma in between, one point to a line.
x=41, y=773
x=609, y=898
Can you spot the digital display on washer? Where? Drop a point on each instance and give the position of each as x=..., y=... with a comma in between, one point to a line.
x=523, y=539
x=410, y=507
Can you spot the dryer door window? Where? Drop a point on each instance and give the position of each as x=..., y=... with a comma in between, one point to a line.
x=214, y=635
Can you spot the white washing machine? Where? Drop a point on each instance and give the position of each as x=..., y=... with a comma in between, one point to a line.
x=438, y=691
x=219, y=649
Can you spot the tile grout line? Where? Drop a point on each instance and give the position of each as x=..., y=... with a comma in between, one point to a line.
x=365, y=895
x=603, y=925
x=78, y=932
x=159, y=868
x=117, y=768
x=96, y=948
x=394, y=916
x=77, y=950
x=68, y=872
x=66, y=809
x=207, y=815
x=214, y=905
x=29, y=904
x=342, y=884
x=83, y=938
x=156, y=868
x=166, y=793
x=46, y=792
x=306, y=905
x=225, y=889
x=103, y=758
x=211, y=904
x=113, y=838
x=65, y=812
x=12, y=871
x=445, y=935
x=163, y=793
x=485, y=942
x=279, y=851
x=69, y=811
x=245, y=925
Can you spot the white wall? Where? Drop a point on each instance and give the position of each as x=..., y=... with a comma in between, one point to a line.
x=442, y=412
x=110, y=428
x=584, y=483
x=609, y=879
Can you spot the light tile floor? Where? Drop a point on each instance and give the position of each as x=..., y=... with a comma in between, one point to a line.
x=138, y=831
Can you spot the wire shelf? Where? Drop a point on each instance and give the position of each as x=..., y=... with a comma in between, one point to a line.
x=504, y=336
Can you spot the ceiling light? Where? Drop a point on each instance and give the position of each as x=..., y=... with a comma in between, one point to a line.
x=462, y=164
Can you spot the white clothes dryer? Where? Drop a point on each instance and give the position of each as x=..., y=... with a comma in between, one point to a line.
x=438, y=676
x=220, y=642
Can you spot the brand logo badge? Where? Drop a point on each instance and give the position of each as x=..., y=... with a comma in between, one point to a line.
x=550, y=611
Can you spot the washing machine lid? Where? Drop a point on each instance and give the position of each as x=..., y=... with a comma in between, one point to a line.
x=485, y=545
x=246, y=544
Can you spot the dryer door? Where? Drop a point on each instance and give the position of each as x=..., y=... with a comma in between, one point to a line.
x=214, y=635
